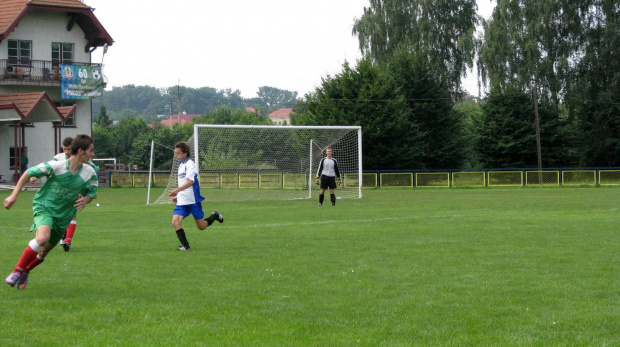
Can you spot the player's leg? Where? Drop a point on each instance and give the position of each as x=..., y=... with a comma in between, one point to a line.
x=331, y=184
x=179, y=213
x=54, y=236
x=201, y=222
x=332, y=197
x=215, y=216
x=19, y=275
x=322, y=191
x=66, y=244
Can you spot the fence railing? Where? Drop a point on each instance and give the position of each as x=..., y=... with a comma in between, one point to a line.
x=39, y=72
x=385, y=179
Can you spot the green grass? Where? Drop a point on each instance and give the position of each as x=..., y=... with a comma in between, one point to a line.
x=447, y=267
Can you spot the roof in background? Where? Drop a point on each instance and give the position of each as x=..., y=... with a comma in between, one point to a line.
x=31, y=107
x=13, y=11
x=281, y=112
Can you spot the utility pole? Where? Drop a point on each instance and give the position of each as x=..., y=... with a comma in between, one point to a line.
x=170, y=108
x=538, y=146
x=179, y=102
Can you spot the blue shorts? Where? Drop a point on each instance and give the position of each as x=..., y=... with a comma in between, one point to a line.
x=193, y=209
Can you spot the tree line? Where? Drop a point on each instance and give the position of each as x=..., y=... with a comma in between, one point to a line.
x=550, y=71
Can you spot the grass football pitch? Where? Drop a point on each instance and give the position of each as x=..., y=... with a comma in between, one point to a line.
x=436, y=267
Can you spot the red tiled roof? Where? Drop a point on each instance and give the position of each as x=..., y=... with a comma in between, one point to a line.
x=32, y=106
x=12, y=12
x=281, y=112
x=66, y=111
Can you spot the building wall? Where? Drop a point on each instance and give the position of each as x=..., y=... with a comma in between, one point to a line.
x=43, y=28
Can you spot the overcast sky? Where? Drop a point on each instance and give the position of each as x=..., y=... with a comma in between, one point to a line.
x=236, y=44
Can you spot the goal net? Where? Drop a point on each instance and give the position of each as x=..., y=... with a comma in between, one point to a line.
x=262, y=162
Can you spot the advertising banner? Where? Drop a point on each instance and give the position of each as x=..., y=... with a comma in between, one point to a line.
x=81, y=81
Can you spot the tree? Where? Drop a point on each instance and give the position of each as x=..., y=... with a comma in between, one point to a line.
x=228, y=115
x=275, y=98
x=427, y=94
x=124, y=133
x=470, y=114
x=443, y=30
x=531, y=44
x=506, y=135
x=593, y=97
x=404, y=109
x=365, y=96
x=102, y=118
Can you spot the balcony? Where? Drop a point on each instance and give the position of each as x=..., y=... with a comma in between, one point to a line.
x=35, y=72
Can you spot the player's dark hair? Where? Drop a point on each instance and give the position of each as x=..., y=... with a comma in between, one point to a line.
x=80, y=142
x=67, y=141
x=182, y=145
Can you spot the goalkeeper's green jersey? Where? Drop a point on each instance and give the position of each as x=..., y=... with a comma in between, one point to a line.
x=60, y=191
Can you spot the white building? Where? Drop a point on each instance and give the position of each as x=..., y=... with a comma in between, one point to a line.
x=36, y=37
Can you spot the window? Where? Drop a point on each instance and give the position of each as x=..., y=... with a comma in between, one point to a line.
x=62, y=53
x=12, y=152
x=20, y=52
x=71, y=121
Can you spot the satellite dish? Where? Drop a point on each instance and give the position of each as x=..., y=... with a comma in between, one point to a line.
x=10, y=69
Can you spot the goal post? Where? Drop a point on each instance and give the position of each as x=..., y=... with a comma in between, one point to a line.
x=267, y=162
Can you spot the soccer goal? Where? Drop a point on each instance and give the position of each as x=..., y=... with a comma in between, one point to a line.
x=266, y=162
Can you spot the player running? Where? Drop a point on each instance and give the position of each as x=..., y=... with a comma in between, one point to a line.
x=67, y=238
x=187, y=197
x=70, y=185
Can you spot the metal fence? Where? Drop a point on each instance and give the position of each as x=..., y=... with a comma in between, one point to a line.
x=385, y=179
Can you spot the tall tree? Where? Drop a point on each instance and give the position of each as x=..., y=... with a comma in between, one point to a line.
x=443, y=30
x=275, y=98
x=366, y=96
x=404, y=109
x=593, y=98
x=532, y=45
x=102, y=118
x=506, y=132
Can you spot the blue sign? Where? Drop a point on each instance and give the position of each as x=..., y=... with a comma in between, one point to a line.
x=81, y=81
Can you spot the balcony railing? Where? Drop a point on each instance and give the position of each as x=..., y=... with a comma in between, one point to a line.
x=34, y=72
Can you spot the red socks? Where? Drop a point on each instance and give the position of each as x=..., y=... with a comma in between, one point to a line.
x=70, y=231
x=28, y=257
x=33, y=263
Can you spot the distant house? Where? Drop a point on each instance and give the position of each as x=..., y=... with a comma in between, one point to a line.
x=281, y=116
x=183, y=118
x=37, y=37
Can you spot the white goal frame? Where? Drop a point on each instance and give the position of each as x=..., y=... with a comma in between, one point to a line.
x=226, y=177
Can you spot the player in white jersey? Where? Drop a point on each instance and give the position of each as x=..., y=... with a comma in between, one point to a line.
x=326, y=174
x=187, y=197
x=70, y=185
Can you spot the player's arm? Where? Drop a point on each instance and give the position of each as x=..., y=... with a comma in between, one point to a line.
x=187, y=184
x=320, y=169
x=81, y=202
x=11, y=199
x=336, y=170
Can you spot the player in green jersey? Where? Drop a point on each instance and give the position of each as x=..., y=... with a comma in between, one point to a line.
x=70, y=185
x=67, y=238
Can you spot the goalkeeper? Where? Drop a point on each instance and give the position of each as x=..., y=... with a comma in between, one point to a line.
x=326, y=175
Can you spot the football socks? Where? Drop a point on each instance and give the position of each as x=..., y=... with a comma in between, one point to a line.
x=182, y=238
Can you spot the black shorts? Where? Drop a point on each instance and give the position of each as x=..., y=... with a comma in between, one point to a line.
x=328, y=182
